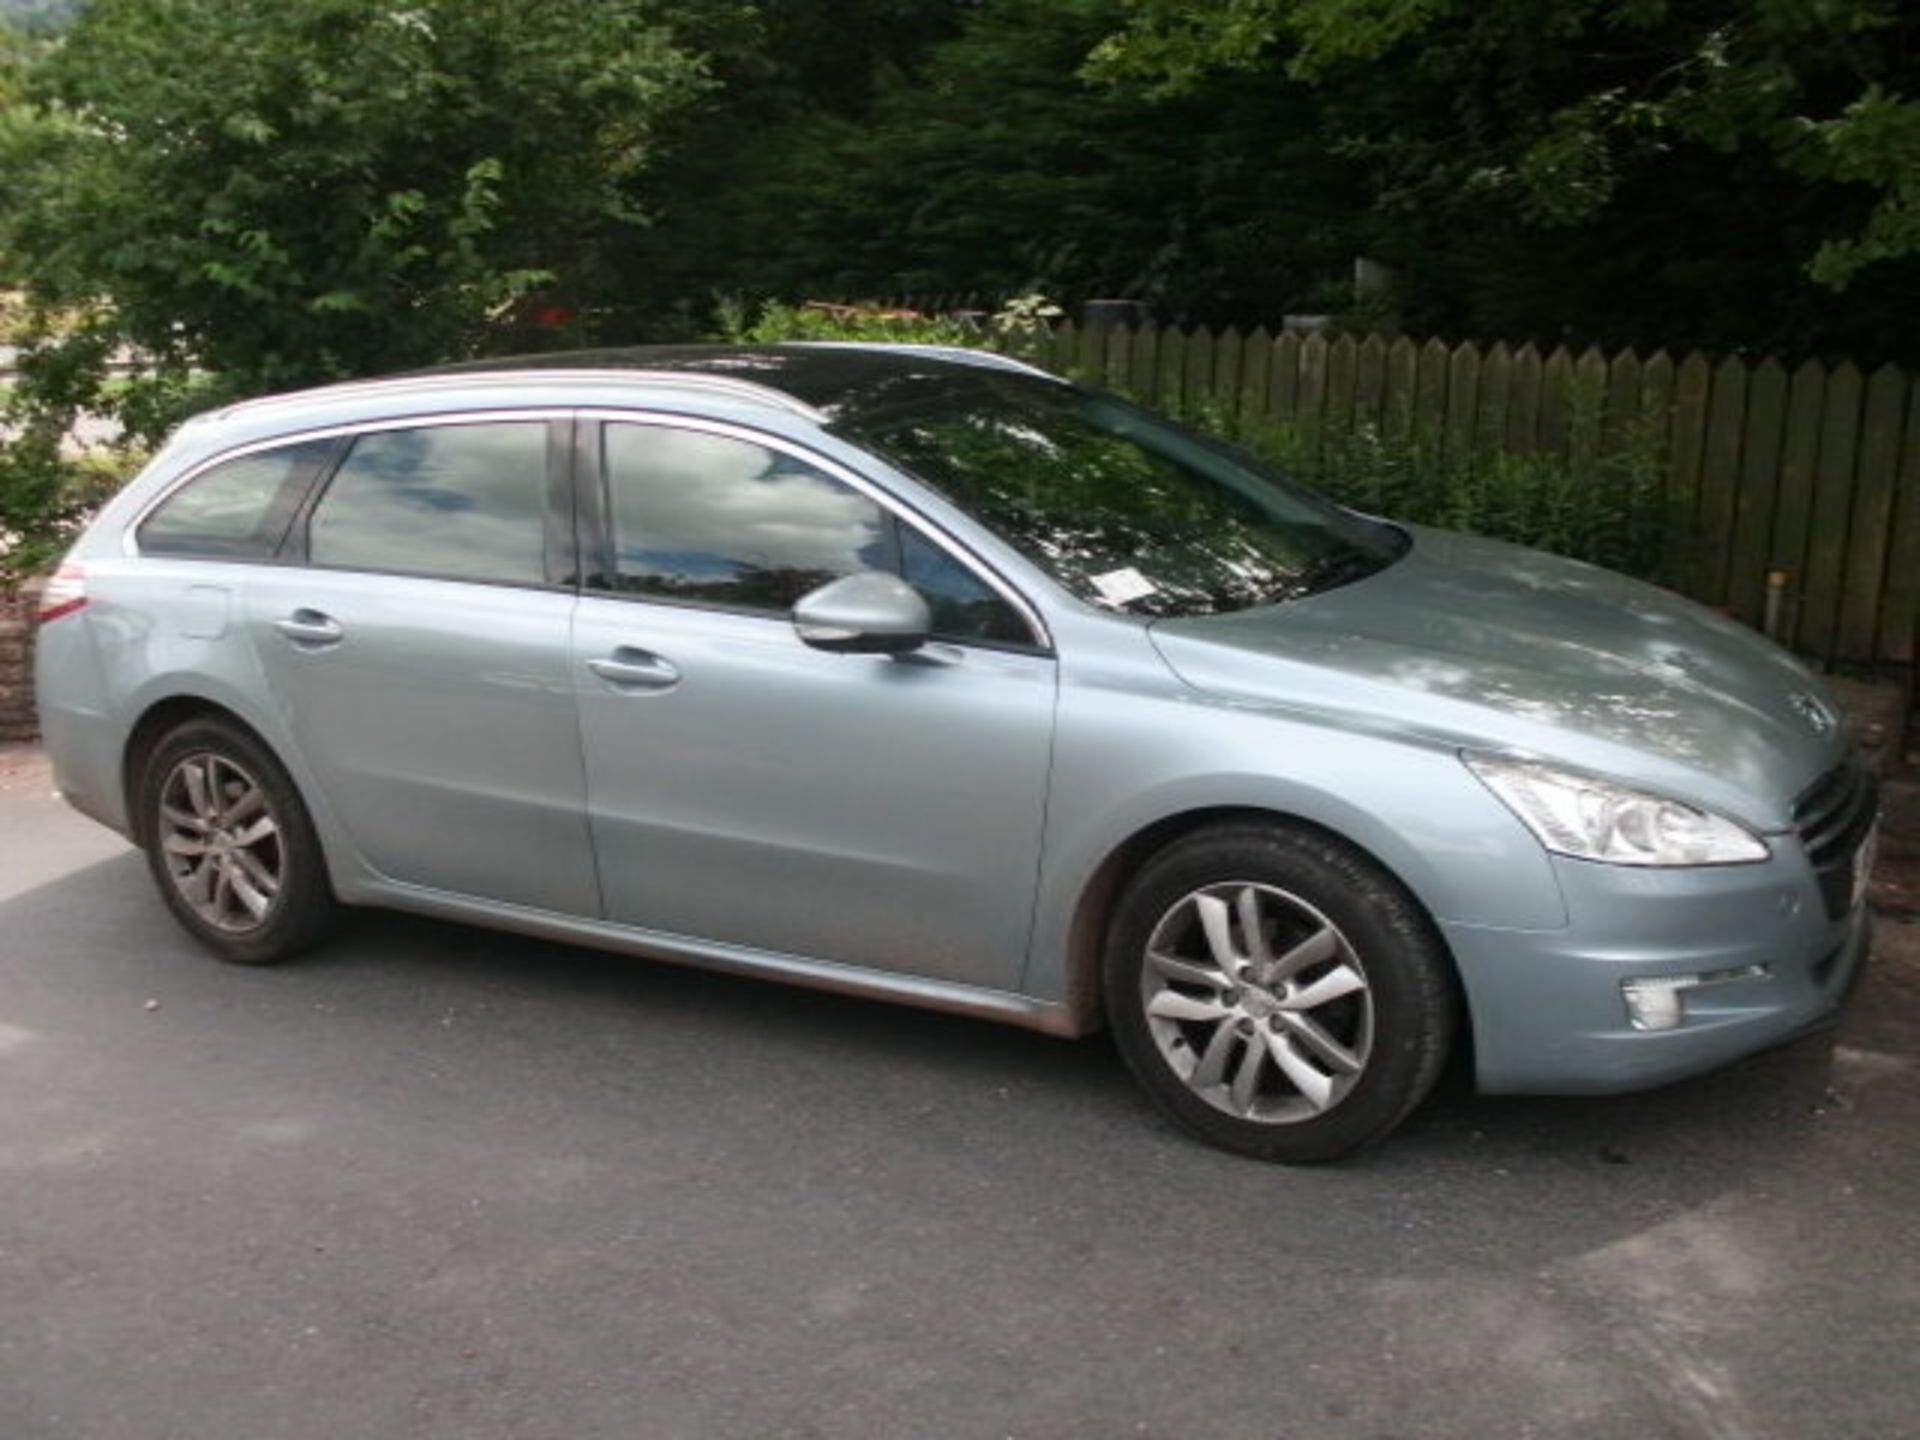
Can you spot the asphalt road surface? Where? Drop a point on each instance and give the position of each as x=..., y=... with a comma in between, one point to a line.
x=440, y=1182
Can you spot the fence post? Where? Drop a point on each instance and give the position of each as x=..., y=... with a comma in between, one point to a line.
x=1755, y=491
x=1620, y=407
x=1342, y=365
x=1283, y=381
x=1832, y=502
x=1145, y=367
x=1256, y=370
x=1496, y=385
x=1311, y=405
x=1523, y=402
x=1586, y=405
x=1793, y=490
x=1369, y=384
x=1430, y=395
x=1463, y=401
x=1866, y=565
x=1900, y=607
x=1196, y=375
x=1227, y=349
x=1169, y=379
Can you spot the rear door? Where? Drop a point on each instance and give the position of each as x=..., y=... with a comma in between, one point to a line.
x=417, y=646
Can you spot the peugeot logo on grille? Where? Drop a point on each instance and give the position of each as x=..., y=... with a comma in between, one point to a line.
x=1813, y=712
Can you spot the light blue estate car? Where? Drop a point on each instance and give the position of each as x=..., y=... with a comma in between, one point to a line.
x=921, y=674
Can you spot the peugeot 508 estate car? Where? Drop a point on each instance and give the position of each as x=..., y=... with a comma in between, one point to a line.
x=921, y=674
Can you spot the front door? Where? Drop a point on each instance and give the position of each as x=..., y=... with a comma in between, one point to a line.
x=744, y=788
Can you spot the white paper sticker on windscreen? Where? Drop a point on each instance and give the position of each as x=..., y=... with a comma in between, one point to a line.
x=1123, y=585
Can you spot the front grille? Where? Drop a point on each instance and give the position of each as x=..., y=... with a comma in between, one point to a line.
x=1832, y=817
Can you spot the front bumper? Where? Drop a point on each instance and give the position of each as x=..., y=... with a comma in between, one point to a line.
x=1549, y=1010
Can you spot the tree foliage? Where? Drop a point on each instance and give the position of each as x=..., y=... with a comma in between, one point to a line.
x=984, y=162
x=1646, y=173
x=275, y=191
x=284, y=192
x=1553, y=105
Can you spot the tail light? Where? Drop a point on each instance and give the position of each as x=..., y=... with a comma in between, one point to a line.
x=65, y=593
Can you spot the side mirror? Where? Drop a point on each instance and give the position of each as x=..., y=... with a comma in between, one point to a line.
x=865, y=614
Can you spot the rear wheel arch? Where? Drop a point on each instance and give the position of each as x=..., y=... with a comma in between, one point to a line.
x=158, y=721
x=228, y=837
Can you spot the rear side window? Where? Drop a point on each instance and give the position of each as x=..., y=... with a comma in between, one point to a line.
x=725, y=521
x=462, y=502
x=239, y=510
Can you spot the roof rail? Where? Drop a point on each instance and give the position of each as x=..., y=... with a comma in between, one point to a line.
x=960, y=354
x=720, y=386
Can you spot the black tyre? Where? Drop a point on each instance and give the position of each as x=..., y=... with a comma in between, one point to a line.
x=231, y=846
x=1276, y=992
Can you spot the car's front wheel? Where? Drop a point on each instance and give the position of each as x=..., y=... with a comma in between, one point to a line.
x=231, y=846
x=1277, y=993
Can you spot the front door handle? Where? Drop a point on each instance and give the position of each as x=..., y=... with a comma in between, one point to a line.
x=311, y=628
x=629, y=668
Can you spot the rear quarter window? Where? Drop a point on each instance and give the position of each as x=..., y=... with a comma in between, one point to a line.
x=237, y=510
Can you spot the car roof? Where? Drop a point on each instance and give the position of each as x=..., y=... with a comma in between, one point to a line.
x=821, y=380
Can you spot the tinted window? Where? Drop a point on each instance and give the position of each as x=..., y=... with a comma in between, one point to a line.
x=238, y=510
x=465, y=501
x=964, y=606
x=725, y=521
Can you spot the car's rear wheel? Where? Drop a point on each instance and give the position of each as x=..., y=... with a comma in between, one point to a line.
x=231, y=845
x=1277, y=993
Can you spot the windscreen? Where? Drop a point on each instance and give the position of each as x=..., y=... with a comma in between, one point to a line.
x=1126, y=510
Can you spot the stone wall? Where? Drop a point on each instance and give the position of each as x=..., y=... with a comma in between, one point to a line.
x=18, y=720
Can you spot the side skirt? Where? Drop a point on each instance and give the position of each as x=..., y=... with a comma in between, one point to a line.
x=999, y=1005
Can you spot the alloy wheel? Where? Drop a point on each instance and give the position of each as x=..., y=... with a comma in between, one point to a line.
x=221, y=842
x=1257, y=1002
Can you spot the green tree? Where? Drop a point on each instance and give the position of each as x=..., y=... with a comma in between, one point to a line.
x=982, y=161
x=725, y=195
x=1556, y=106
x=285, y=191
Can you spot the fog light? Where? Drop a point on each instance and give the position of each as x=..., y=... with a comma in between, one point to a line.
x=1658, y=1002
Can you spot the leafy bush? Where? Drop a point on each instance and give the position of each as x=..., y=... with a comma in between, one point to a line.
x=775, y=322
x=45, y=497
x=1019, y=320
x=50, y=482
x=286, y=193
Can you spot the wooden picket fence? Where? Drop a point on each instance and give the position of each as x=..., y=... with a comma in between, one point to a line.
x=1813, y=472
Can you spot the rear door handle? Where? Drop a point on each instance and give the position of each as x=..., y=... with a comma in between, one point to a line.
x=311, y=628
x=629, y=668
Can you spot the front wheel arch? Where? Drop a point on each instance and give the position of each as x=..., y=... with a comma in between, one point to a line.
x=1093, y=913
x=1366, y=946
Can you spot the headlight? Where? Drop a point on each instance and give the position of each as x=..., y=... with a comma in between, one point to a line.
x=1593, y=819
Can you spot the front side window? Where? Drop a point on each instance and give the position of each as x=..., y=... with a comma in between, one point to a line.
x=720, y=520
x=238, y=510
x=464, y=502
x=963, y=606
